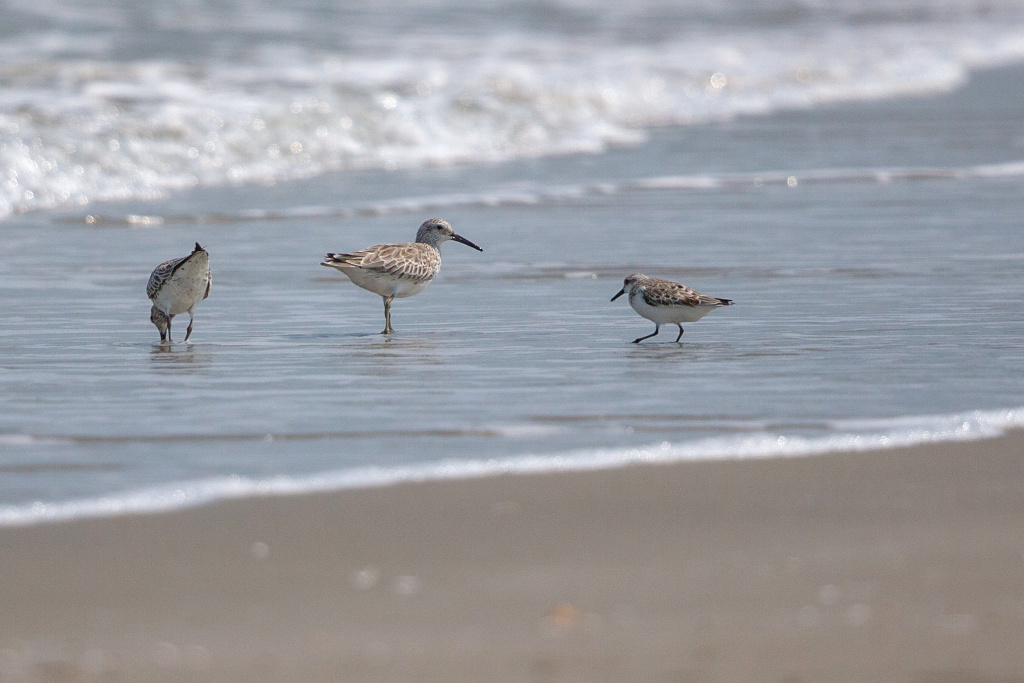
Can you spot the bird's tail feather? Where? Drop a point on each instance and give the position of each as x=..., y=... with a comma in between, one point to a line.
x=337, y=260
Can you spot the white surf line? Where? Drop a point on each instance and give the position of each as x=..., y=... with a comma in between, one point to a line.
x=573, y=192
x=881, y=434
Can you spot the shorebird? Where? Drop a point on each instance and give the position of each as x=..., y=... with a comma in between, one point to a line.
x=176, y=286
x=398, y=270
x=664, y=302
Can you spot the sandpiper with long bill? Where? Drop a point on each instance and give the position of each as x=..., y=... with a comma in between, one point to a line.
x=398, y=270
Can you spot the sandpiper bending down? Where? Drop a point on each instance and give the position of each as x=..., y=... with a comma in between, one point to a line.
x=176, y=286
x=664, y=302
x=398, y=270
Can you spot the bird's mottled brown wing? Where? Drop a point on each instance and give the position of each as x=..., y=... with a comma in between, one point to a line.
x=409, y=261
x=209, y=284
x=666, y=293
x=161, y=274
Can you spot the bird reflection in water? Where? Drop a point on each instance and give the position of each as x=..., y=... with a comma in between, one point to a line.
x=394, y=357
x=180, y=358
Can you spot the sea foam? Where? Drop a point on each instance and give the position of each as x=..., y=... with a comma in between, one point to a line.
x=79, y=123
x=547, y=194
x=848, y=435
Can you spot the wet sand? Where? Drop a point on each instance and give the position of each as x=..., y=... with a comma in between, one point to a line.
x=900, y=565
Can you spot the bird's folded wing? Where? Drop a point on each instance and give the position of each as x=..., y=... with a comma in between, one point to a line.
x=414, y=261
x=162, y=274
x=673, y=294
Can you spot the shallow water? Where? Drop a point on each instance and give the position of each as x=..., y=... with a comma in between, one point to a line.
x=873, y=251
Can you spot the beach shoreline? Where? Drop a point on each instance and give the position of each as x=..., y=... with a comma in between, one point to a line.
x=898, y=565
x=507, y=489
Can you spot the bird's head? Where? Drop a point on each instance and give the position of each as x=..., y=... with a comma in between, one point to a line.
x=435, y=231
x=631, y=281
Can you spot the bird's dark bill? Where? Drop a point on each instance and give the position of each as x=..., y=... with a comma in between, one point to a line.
x=460, y=238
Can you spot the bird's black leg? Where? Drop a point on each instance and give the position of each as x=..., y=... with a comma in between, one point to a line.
x=191, y=319
x=169, y=340
x=680, y=332
x=640, y=339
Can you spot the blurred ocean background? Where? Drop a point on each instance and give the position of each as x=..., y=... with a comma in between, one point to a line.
x=851, y=172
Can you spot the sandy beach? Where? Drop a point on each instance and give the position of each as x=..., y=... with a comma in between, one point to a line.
x=899, y=565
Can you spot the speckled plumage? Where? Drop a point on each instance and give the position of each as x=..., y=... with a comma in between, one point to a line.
x=666, y=302
x=177, y=286
x=398, y=270
x=412, y=261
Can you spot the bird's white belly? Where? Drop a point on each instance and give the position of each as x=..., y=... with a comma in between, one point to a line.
x=185, y=289
x=663, y=315
x=385, y=285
